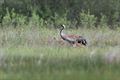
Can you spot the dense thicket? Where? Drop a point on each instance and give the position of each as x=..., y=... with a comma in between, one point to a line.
x=101, y=10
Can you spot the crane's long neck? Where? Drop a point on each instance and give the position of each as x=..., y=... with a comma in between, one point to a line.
x=63, y=36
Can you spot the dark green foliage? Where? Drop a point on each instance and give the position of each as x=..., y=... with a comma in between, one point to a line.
x=47, y=10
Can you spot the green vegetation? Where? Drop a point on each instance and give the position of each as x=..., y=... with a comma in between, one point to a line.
x=70, y=12
x=32, y=53
x=30, y=47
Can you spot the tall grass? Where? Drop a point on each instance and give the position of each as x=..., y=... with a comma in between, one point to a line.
x=34, y=54
x=31, y=50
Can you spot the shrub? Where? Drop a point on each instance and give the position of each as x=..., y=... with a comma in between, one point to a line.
x=61, y=20
x=103, y=21
x=13, y=19
x=87, y=20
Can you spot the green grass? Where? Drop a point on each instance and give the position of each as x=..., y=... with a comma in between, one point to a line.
x=34, y=54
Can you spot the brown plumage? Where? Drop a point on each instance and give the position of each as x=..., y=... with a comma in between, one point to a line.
x=74, y=40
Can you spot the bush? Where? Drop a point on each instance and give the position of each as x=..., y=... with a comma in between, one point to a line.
x=103, y=21
x=48, y=9
x=61, y=20
x=34, y=20
x=87, y=20
x=13, y=19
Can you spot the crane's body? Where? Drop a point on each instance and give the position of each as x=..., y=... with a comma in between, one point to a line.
x=72, y=39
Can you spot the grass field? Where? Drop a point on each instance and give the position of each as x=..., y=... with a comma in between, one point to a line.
x=34, y=54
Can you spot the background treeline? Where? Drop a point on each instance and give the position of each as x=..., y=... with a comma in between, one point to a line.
x=50, y=13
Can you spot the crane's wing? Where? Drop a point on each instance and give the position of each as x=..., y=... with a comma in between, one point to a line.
x=70, y=40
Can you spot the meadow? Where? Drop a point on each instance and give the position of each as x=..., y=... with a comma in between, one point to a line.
x=35, y=54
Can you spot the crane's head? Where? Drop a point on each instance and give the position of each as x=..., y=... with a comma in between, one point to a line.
x=62, y=26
